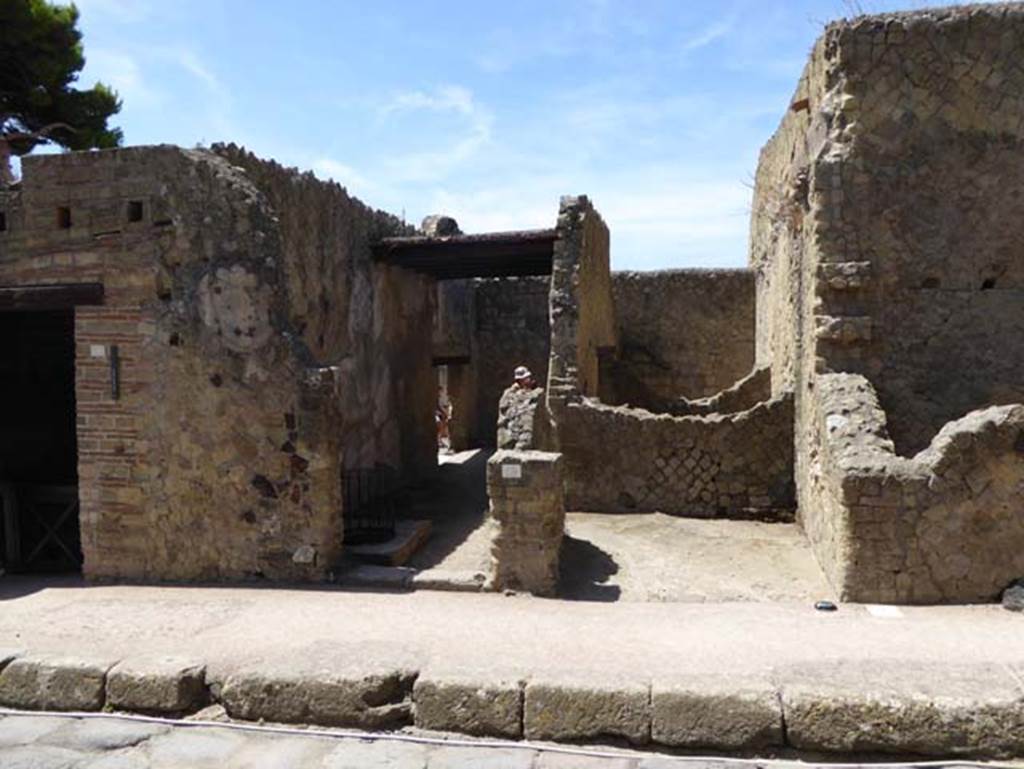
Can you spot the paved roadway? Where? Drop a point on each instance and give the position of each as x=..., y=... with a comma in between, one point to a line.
x=53, y=742
x=33, y=741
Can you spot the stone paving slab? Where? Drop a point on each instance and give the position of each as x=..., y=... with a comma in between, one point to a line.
x=52, y=742
x=74, y=743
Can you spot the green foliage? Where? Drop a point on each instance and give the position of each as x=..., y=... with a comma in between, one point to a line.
x=40, y=58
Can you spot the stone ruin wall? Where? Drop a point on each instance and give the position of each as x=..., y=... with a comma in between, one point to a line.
x=222, y=457
x=624, y=459
x=486, y=327
x=512, y=329
x=453, y=346
x=883, y=235
x=620, y=459
x=503, y=322
x=946, y=525
x=682, y=333
x=370, y=321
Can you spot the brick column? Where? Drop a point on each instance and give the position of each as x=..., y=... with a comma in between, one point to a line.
x=528, y=509
x=111, y=492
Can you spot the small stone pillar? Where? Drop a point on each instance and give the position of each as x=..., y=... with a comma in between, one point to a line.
x=528, y=510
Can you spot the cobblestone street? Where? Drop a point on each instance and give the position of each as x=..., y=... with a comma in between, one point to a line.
x=51, y=742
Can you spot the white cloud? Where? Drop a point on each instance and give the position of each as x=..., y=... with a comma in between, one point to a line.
x=191, y=63
x=123, y=73
x=437, y=163
x=343, y=174
x=709, y=35
x=445, y=98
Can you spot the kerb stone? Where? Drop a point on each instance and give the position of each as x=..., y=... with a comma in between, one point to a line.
x=325, y=697
x=476, y=707
x=577, y=710
x=960, y=713
x=46, y=682
x=157, y=684
x=716, y=712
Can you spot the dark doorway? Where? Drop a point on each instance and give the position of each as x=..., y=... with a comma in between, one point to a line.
x=38, y=442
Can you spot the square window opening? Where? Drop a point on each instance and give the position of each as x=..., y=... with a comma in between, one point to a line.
x=135, y=211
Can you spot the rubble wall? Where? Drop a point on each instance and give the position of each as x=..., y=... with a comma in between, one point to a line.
x=372, y=322
x=928, y=192
x=221, y=459
x=682, y=334
x=945, y=525
x=882, y=236
x=581, y=305
x=512, y=330
x=621, y=460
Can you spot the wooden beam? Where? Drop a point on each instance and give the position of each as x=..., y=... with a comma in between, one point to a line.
x=450, y=360
x=494, y=254
x=58, y=296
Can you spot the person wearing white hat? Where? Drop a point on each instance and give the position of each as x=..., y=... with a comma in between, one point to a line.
x=523, y=378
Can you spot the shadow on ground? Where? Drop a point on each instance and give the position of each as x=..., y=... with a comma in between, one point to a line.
x=584, y=572
x=455, y=503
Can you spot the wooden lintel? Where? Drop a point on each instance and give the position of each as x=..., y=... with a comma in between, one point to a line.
x=58, y=296
x=450, y=360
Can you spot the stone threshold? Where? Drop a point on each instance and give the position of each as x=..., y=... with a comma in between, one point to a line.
x=404, y=578
x=410, y=536
x=973, y=712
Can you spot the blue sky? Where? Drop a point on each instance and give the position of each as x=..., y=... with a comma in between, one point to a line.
x=486, y=111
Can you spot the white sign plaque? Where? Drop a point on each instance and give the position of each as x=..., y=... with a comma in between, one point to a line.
x=511, y=471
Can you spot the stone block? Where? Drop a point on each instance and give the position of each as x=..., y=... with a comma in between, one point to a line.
x=893, y=709
x=482, y=708
x=536, y=469
x=49, y=682
x=157, y=685
x=1013, y=597
x=716, y=712
x=363, y=697
x=577, y=710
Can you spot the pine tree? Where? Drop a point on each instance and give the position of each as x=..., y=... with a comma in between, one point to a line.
x=40, y=58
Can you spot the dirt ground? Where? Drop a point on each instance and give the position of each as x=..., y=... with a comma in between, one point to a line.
x=632, y=557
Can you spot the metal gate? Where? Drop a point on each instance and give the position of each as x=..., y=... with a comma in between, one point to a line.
x=369, y=505
x=40, y=528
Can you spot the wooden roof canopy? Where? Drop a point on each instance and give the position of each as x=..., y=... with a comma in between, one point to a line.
x=491, y=255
